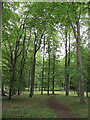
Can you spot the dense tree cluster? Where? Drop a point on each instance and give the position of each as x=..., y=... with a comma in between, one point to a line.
x=33, y=38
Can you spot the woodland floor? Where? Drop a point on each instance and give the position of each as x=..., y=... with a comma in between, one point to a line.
x=60, y=109
x=43, y=106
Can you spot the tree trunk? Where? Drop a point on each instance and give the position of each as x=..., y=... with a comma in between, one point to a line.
x=43, y=69
x=87, y=93
x=68, y=72
x=68, y=75
x=48, y=66
x=76, y=31
x=18, y=92
x=53, y=73
x=79, y=64
x=42, y=76
x=22, y=64
x=20, y=80
x=3, y=93
x=48, y=74
x=12, y=80
x=36, y=48
x=29, y=79
x=66, y=67
x=10, y=94
x=33, y=75
x=78, y=87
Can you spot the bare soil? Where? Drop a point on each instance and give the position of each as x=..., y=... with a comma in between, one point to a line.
x=60, y=109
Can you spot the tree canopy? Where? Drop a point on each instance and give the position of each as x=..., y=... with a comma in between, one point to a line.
x=45, y=46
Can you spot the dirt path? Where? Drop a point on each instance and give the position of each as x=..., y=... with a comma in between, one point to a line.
x=61, y=110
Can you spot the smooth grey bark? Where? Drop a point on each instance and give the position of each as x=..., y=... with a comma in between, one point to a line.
x=36, y=48
x=53, y=73
x=42, y=82
x=33, y=75
x=68, y=72
x=69, y=64
x=76, y=31
x=66, y=65
x=48, y=67
x=29, y=80
x=33, y=69
x=79, y=64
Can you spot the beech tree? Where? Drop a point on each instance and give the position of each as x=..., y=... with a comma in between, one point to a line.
x=30, y=29
x=76, y=30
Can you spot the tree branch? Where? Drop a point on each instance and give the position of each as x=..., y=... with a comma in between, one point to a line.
x=40, y=41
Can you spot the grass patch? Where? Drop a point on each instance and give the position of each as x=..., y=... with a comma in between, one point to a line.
x=71, y=93
x=37, y=107
x=24, y=107
x=73, y=103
